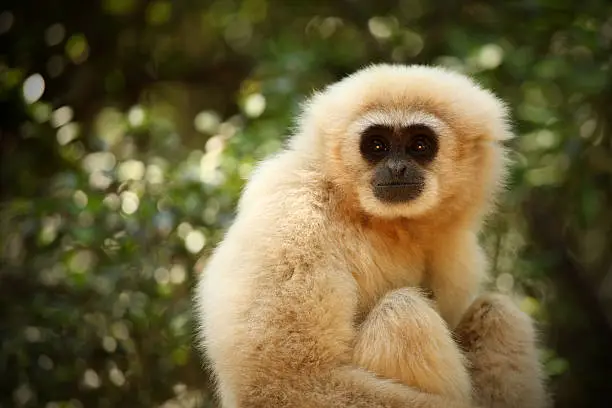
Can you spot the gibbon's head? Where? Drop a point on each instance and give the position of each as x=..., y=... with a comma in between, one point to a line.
x=406, y=140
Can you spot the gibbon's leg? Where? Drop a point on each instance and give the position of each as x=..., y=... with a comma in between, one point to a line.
x=500, y=343
x=405, y=339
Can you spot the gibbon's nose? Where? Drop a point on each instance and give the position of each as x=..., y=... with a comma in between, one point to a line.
x=397, y=168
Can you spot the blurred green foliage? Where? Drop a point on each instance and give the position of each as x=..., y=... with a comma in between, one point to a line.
x=128, y=128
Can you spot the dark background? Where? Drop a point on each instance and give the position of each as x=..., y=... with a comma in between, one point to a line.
x=128, y=127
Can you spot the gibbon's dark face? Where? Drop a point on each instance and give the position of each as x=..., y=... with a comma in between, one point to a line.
x=399, y=158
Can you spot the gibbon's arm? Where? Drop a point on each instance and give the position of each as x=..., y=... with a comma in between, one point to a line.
x=457, y=267
x=405, y=339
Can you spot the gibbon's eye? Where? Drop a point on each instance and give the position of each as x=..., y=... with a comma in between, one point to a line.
x=421, y=146
x=374, y=146
x=377, y=145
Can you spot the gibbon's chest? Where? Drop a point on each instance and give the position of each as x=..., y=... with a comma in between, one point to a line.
x=382, y=261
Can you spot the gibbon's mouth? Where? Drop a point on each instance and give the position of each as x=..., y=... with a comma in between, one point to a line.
x=397, y=192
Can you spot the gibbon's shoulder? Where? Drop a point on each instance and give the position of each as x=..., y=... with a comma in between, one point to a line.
x=283, y=192
x=285, y=172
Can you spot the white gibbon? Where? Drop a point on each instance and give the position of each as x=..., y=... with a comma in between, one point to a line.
x=353, y=262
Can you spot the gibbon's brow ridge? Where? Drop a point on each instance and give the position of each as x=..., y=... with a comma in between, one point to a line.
x=413, y=128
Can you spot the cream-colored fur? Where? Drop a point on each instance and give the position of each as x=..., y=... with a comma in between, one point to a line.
x=500, y=344
x=299, y=304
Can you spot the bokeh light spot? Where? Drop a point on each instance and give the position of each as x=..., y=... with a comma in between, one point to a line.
x=91, y=379
x=162, y=276
x=67, y=133
x=49, y=230
x=214, y=145
x=55, y=34
x=380, y=27
x=183, y=229
x=136, y=116
x=6, y=21
x=159, y=12
x=119, y=7
x=490, y=56
x=238, y=33
x=588, y=128
x=154, y=174
x=33, y=88
x=80, y=198
x=109, y=344
x=32, y=334
x=116, y=376
x=99, y=161
x=207, y=122
x=413, y=43
x=99, y=180
x=112, y=201
x=110, y=126
x=177, y=274
x=546, y=139
x=254, y=105
x=131, y=170
x=61, y=116
x=23, y=395
x=195, y=241
x=129, y=202
x=120, y=331
x=329, y=26
x=10, y=77
x=81, y=261
x=41, y=112
x=77, y=48
x=45, y=362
